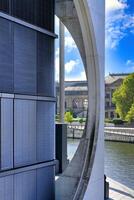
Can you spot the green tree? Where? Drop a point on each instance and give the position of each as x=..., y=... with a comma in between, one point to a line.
x=68, y=117
x=130, y=114
x=123, y=97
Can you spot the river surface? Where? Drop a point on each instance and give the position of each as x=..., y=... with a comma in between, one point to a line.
x=119, y=160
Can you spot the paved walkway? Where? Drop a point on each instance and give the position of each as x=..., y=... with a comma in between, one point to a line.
x=119, y=191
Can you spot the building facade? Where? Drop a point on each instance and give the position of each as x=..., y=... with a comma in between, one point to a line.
x=112, y=82
x=75, y=97
x=27, y=100
x=76, y=93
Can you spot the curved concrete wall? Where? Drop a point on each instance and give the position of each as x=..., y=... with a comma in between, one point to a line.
x=96, y=14
x=87, y=167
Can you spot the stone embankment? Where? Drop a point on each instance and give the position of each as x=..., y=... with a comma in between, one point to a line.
x=119, y=134
x=75, y=131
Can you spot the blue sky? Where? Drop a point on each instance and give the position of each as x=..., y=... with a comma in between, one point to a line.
x=119, y=43
x=119, y=36
x=74, y=69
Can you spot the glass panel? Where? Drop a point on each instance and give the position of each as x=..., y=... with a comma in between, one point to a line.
x=45, y=14
x=45, y=131
x=7, y=188
x=25, y=186
x=6, y=56
x=24, y=60
x=23, y=9
x=6, y=133
x=24, y=132
x=45, y=67
x=45, y=178
x=4, y=5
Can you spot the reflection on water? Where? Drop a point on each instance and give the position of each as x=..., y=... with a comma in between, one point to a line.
x=119, y=160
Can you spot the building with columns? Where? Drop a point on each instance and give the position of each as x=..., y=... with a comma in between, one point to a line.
x=76, y=93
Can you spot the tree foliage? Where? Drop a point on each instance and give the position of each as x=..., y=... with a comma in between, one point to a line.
x=130, y=114
x=68, y=117
x=123, y=97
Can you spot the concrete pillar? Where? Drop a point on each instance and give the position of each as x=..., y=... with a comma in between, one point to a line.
x=62, y=73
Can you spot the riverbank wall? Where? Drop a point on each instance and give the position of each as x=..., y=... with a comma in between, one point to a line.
x=117, y=134
x=75, y=131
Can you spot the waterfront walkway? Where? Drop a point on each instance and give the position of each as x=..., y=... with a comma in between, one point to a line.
x=119, y=191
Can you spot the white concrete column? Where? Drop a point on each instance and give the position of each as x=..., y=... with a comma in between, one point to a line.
x=62, y=72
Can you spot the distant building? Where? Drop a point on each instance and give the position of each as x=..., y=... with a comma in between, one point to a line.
x=76, y=93
x=112, y=82
x=75, y=97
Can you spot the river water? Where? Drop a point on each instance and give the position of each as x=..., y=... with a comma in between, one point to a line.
x=119, y=160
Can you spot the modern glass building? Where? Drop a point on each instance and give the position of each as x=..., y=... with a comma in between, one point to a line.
x=27, y=100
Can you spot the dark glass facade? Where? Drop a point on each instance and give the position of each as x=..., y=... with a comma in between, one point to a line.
x=37, y=12
x=4, y=5
x=27, y=60
x=27, y=102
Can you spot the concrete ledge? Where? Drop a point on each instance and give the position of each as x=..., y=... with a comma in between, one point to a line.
x=119, y=191
x=26, y=168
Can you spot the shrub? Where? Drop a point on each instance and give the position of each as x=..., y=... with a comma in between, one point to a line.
x=118, y=121
x=57, y=117
x=108, y=121
x=81, y=120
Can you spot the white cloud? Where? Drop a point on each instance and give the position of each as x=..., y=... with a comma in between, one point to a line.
x=69, y=43
x=128, y=62
x=81, y=77
x=112, y=5
x=118, y=23
x=69, y=66
x=72, y=64
x=130, y=65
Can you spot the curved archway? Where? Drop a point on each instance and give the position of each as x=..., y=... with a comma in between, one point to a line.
x=77, y=178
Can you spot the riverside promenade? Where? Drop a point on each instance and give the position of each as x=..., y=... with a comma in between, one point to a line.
x=119, y=192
